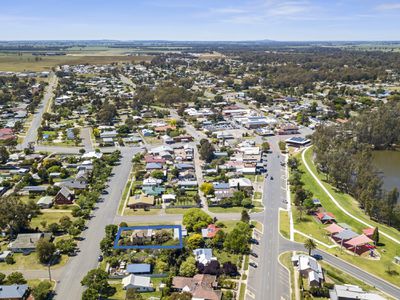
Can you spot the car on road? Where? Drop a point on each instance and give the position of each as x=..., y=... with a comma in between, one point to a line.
x=317, y=256
x=253, y=264
x=253, y=254
x=104, y=192
x=100, y=258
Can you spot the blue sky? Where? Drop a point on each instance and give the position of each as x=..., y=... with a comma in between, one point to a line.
x=200, y=19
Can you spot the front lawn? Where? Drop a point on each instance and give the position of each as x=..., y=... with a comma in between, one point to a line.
x=218, y=209
x=49, y=218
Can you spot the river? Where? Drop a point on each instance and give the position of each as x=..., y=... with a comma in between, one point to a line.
x=388, y=162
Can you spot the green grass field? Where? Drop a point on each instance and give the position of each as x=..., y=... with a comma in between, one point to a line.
x=217, y=209
x=10, y=61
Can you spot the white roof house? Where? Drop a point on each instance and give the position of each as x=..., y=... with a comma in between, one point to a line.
x=140, y=283
x=204, y=255
x=348, y=291
x=92, y=154
x=241, y=182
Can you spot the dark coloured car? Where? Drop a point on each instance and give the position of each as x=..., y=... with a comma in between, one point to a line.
x=317, y=257
x=104, y=192
x=253, y=254
x=254, y=241
x=100, y=258
x=253, y=264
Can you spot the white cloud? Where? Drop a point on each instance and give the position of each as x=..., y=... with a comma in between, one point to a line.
x=388, y=6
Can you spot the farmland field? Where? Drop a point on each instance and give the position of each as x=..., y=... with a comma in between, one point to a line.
x=28, y=62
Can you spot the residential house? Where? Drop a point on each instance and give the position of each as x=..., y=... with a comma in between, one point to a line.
x=64, y=196
x=240, y=183
x=25, y=242
x=14, y=292
x=200, y=286
x=204, y=255
x=140, y=201
x=210, y=231
x=7, y=134
x=351, y=292
x=154, y=191
x=45, y=202
x=139, y=283
x=309, y=268
x=187, y=184
x=138, y=268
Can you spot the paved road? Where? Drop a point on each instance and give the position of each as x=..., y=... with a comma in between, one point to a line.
x=31, y=134
x=127, y=81
x=69, y=286
x=270, y=279
x=85, y=135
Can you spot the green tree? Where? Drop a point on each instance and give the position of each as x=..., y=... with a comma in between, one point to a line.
x=194, y=219
x=265, y=147
x=90, y=294
x=310, y=245
x=375, y=236
x=194, y=241
x=132, y=294
x=237, y=241
x=66, y=246
x=42, y=290
x=15, y=278
x=245, y=217
x=45, y=250
x=207, y=188
x=206, y=150
x=157, y=174
x=188, y=267
x=4, y=155
x=2, y=278
x=180, y=296
x=65, y=223
x=97, y=280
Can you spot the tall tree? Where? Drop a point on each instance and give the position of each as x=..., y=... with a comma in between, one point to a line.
x=310, y=245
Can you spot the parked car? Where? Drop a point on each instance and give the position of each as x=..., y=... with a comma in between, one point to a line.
x=104, y=192
x=253, y=264
x=253, y=254
x=254, y=241
x=100, y=258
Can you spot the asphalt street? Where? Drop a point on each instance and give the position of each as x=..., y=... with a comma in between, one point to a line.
x=31, y=134
x=270, y=280
x=69, y=286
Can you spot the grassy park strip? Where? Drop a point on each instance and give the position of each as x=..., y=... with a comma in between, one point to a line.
x=285, y=260
x=384, y=267
x=284, y=225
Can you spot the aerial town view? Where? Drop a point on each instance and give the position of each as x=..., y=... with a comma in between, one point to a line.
x=205, y=150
